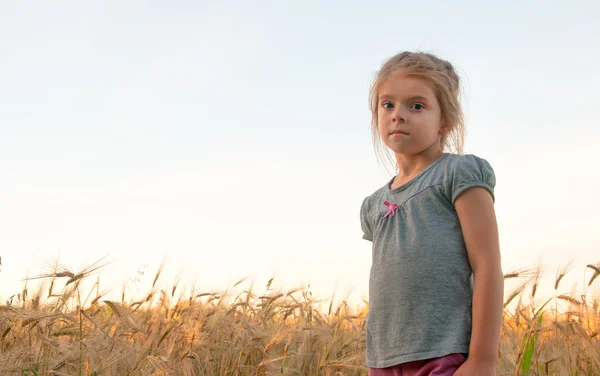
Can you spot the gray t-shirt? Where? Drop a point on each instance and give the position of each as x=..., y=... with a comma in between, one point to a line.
x=420, y=284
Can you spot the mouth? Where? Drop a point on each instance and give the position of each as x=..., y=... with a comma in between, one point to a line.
x=399, y=132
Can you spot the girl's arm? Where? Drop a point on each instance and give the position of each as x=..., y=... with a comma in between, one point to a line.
x=475, y=208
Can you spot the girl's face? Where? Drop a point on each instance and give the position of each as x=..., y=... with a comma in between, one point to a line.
x=409, y=115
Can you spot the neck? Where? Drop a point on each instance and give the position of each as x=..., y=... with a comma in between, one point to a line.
x=409, y=165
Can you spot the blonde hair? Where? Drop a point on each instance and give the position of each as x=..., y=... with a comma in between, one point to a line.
x=444, y=81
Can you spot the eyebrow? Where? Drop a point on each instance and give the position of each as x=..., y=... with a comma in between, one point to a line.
x=414, y=97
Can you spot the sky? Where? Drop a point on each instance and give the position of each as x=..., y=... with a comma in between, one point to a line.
x=231, y=139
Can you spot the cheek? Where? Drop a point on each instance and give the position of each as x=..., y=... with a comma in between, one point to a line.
x=381, y=122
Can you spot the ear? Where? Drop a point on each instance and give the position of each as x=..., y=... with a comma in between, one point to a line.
x=444, y=129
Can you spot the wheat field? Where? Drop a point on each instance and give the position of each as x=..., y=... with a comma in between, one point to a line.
x=63, y=330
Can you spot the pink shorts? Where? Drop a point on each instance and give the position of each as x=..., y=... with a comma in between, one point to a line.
x=444, y=366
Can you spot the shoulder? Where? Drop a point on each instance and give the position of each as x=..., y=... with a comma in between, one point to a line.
x=466, y=171
x=374, y=198
x=467, y=162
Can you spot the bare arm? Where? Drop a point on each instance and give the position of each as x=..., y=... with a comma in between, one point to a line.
x=477, y=216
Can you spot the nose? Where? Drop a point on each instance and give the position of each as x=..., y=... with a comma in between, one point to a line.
x=399, y=116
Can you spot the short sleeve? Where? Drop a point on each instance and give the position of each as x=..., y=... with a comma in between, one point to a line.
x=469, y=172
x=364, y=221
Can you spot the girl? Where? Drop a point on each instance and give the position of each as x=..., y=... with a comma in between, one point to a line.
x=436, y=284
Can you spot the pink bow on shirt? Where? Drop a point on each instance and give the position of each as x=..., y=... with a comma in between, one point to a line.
x=391, y=209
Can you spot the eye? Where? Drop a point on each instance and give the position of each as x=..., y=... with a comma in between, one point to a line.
x=387, y=105
x=418, y=106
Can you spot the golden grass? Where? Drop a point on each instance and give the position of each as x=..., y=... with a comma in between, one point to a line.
x=169, y=332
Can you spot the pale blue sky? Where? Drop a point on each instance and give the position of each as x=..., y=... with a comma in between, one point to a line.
x=233, y=139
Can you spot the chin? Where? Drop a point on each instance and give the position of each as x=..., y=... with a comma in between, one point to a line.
x=408, y=153
x=405, y=150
